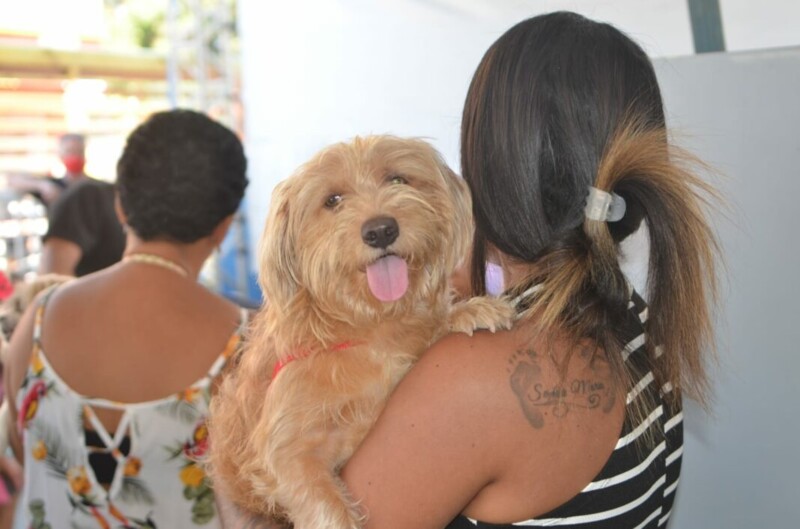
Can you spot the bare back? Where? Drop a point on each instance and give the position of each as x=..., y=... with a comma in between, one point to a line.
x=133, y=334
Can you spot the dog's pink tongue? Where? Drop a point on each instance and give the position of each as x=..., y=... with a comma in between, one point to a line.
x=388, y=278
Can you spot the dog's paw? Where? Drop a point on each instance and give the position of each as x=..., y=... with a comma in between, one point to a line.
x=482, y=312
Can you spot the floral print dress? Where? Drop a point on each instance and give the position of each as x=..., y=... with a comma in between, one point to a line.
x=159, y=484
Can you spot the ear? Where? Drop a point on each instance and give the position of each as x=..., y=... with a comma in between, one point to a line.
x=121, y=216
x=462, y=215
x=277, y=275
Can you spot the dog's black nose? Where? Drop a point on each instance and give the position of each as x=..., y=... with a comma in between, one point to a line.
x=380, y=232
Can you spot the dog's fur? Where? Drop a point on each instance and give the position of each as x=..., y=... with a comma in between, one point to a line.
x=276, y=445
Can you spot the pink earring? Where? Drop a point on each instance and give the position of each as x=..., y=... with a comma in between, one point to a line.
x=495, y=283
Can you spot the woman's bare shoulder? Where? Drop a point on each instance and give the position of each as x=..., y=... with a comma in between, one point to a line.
x=480, y=419
x=431, y=447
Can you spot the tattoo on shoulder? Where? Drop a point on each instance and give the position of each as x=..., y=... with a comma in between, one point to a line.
x=538, y=400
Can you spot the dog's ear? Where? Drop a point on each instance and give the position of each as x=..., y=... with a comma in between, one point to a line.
x=277, y=274
x=462, y=215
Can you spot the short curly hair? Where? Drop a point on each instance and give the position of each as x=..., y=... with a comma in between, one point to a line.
x=181, y=173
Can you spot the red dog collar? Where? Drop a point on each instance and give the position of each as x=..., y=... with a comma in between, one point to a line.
x=282, y=363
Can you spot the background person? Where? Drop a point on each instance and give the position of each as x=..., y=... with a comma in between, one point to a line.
x=72, y=153
x=84, y=234
x=142, y=337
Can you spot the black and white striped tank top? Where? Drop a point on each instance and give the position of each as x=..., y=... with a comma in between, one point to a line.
x=636, y=487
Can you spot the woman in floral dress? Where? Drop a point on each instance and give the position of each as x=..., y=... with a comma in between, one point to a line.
x=114, y=371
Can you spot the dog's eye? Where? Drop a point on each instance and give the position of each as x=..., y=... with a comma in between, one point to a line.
x=333, y=201
x=397, y=179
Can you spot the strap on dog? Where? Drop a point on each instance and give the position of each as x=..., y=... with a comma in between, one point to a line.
x=282, y=363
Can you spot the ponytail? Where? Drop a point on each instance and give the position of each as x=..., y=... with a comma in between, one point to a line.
x=682, y=280
x=584, y=291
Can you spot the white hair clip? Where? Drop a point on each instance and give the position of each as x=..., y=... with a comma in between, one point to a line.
x=604, y=206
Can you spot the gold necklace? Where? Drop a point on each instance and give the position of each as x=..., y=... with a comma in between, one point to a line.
x=156, y=260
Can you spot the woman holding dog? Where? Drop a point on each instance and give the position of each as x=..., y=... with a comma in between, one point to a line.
x=112, y=373
x=572, y=417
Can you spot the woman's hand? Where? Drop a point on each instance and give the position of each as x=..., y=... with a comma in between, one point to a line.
x=11, y=473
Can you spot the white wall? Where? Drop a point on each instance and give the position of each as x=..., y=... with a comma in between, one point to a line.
x=740, y=113
x=760, y=24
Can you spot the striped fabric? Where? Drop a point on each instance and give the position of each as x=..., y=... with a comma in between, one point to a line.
x=636, y=487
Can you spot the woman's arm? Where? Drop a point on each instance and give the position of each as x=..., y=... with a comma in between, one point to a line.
x=14, y=369
x=431, y=450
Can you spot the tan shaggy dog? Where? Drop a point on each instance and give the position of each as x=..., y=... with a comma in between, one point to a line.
x=355, y=260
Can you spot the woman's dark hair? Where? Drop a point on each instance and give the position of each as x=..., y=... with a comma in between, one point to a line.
x=561, y=103
x=180, y=175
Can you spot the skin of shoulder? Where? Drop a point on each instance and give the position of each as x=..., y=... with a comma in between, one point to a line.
x=488, y=427
x=111, y=289
x=106, y=303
